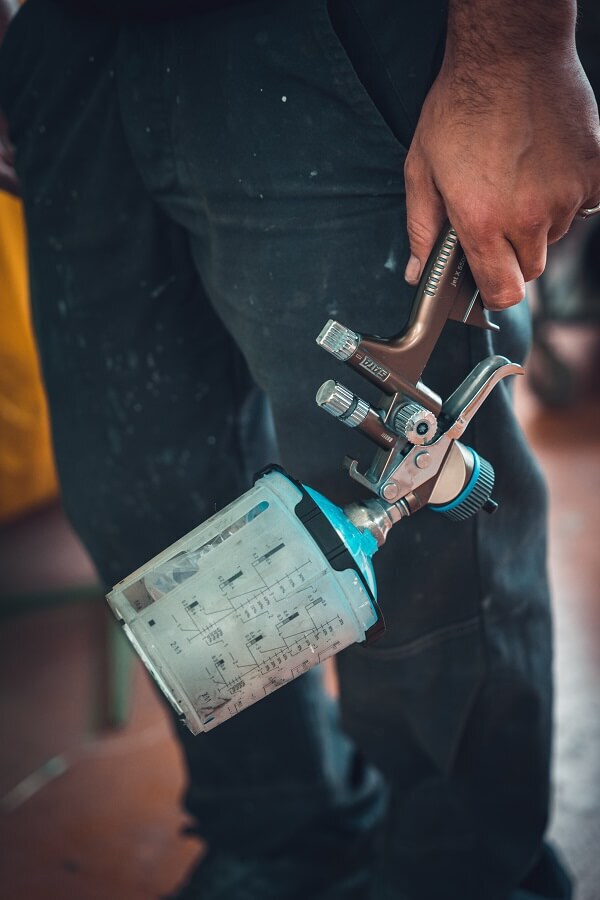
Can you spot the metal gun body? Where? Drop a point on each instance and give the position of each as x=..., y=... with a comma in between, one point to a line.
x=419, y=460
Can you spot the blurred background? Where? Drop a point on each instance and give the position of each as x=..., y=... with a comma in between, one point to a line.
x=89, y=776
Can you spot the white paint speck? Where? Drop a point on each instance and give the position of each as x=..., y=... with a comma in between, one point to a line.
x=391, y=263
x=284, y=99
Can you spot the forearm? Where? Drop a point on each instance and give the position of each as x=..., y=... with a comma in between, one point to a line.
x=494, y=44
x=496, y=31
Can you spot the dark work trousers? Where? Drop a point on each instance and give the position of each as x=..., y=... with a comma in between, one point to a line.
x=202, y=195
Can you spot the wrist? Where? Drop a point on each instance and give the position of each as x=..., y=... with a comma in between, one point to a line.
x=497, y=52
x=489, y=36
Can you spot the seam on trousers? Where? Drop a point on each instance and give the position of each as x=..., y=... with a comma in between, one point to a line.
x=432, y=639
x=504, y=614
x=342, y=69
x=136, y=34
x=408, y=120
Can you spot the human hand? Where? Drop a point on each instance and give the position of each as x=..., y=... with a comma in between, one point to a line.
x=8, y=177
x=508, y=151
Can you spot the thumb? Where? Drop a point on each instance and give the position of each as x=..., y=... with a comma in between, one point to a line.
x=426, y=214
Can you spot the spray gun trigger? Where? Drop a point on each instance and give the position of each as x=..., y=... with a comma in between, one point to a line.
x=468, y=398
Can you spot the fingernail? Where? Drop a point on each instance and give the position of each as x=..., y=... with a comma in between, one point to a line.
x=413, y=270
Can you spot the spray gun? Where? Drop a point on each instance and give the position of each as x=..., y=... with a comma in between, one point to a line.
x=282, y=578
x=420, y=460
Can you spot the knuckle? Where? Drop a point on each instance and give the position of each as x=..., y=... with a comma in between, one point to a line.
x=556, y=234
x=505, y=296
x=485, y=229
x=531, y=223
x=565, y=210
x=533, y=261
x=533, y=271
x=566, y=202
x=532, y=209
x=500, y=290
x=420, y=233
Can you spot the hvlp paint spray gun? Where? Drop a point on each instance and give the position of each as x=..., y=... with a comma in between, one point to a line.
x=282, y=578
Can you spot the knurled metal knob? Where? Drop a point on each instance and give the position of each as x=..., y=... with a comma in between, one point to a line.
x=417, y=424
x=338, y=340
x=337, y=400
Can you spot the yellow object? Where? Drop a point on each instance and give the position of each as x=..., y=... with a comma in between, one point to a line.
x=27, y=474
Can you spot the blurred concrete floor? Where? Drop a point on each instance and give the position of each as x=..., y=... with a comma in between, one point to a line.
x=95, y=816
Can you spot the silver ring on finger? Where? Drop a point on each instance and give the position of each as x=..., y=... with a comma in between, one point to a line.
x=588, y=212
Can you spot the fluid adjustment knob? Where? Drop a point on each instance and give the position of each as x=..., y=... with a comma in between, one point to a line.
x=417, y=424
x=476, y=495
x=349, y=409
x=338, y=401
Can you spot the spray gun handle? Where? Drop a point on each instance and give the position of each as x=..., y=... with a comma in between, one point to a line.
x=395, y=365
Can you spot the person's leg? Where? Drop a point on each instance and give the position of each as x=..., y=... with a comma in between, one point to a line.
x=151, y=403
x=290, y=182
